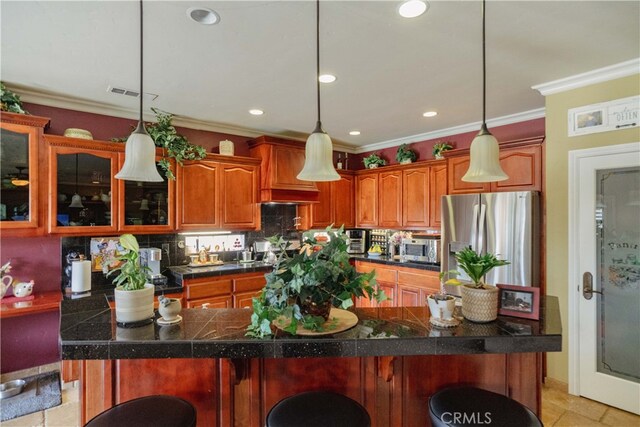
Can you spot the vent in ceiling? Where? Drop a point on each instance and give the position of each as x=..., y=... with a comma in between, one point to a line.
x=133, y=93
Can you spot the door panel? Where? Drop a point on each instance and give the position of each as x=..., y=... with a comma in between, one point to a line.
x=415, y=197
x=390, y=196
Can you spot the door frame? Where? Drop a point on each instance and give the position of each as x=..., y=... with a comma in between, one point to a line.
x=573, y=270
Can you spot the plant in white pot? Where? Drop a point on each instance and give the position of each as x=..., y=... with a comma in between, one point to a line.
x=479, y=300
x=442, y=305
x=133, y=295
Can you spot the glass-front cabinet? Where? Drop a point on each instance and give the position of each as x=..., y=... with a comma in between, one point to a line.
x=20, y=136
x=146, y=206
x=82, y=190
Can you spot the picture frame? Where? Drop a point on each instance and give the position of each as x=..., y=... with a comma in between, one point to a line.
x=519, y=301
x=606, y=116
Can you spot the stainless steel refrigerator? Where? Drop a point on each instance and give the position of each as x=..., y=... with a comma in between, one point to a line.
x=505, y=224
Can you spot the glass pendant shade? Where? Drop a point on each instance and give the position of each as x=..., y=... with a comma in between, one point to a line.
x=318, y=162
x=139, y=158
x=76, y=201
x=19, y=182
x=485, y=159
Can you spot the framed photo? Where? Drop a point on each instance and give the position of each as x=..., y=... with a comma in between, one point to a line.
x=519, y=301
x=589, y=119
x=607, y=116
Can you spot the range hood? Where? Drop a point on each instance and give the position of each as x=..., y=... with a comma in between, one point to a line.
x=281, y=161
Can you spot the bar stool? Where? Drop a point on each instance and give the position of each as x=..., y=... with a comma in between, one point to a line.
x=318, y=409
x=465, y=406
x=149, y=411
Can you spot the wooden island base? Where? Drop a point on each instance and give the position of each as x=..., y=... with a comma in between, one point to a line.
x=240, y=392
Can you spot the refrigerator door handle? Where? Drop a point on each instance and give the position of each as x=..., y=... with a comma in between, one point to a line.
x=474, y=228
x=483, y=211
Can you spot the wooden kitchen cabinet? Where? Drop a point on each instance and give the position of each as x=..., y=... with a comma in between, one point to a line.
x=367, y=200
x=23, y=205
x=232, y=290
x=239, y=196
x=85, y=168
x=247, y=287
x=437, y=189
x=416, y=203
x=335, y=205
x=198, y=195
x=390, y=199
x=523, y=165
x=456, y=168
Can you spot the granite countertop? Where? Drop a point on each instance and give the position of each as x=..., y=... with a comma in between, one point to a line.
x=88, y=331
x=385, y=259
x=181, y=272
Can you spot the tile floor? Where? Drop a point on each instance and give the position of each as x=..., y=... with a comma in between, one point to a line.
x=559, y=409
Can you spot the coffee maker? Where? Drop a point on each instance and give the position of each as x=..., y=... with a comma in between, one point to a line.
x=151, y=257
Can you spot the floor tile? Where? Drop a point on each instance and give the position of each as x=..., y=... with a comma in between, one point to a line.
x=31, y=420
x=586, y=407
x=550, y=412
x=618, y=418
x=67, y=415
x=572, y=419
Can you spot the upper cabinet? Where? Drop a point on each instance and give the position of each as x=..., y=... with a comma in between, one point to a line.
x=21, y=195
x=367, y=200
x=457, y=167
x=437, y=189
x=390, y=199
x=336, y=203
x=415, y=197
x=83, y=192
x=281, y=162
x=218, y=192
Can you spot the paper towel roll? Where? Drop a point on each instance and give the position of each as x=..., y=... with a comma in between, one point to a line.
x=80, y=276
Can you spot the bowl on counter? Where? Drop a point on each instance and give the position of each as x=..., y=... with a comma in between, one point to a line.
x=11, y=388
x=374, y=254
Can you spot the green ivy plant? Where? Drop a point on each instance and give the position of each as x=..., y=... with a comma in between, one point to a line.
x=319, y=272
x=476, y=266
x=133, y=275
x=373, y=159
x=177, y=146
x=9, y=101
x=441, y=147
x=405, y=153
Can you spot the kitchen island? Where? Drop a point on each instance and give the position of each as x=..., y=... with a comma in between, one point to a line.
x=391, y=361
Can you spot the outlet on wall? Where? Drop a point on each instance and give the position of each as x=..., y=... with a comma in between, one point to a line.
x=165, y=250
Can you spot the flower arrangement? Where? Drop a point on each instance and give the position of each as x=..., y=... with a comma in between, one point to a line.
x=396, y=238
x=441, y=147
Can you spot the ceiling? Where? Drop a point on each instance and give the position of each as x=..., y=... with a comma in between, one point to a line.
x=261, y=55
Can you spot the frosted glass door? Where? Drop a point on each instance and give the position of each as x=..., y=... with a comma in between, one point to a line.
x=618, y=275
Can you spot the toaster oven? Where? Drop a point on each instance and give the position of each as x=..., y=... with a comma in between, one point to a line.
x=420, y=250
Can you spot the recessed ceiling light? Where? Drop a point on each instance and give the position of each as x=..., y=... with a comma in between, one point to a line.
x=256, y=112
x=413, y=8
x=327, y=78
x=354, y=132
x=430, y=114
x=203, y=16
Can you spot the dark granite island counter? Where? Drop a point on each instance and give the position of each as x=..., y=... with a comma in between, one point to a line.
x=391, y=361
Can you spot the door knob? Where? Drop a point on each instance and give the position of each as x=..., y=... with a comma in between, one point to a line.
x=587, y=286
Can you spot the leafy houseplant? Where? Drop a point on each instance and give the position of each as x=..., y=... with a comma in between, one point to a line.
x=405, y=154
x=479, y=301
x=317, y=277
x=9, y=101
x=133, y=295
x=373, y=161
x=164, y=135
x=439, y=148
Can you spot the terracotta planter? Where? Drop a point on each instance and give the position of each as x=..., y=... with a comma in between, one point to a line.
x=479, y=304
x=134, y=306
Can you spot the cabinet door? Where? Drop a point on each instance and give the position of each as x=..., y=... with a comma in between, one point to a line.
x=287, y=162
x=437, y=189
x=390, y=197
x=244, y=299
x=367, y=200
x=197, y=197
x=456, y=168
x=239, y=197
x=20, y=179
x=390, y=291
x=415, y=197
x=146, y=206
x=321, y=212
x=217, y=302
x=83, y=192
x=523, y=165
x=409, y=296
x=343, y=201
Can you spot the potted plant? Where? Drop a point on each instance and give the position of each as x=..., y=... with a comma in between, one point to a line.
x=405, y=155
x=373, y=161
x=177, y=146
x=303, y=287
x=479, y=300
x=442, y=305
x=439, y=148
x=9, y=101
x=133, y=295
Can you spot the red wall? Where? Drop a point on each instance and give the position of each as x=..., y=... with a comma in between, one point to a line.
x=504, y=133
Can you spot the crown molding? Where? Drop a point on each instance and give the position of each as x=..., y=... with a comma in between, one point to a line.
x=612, y=72
x=470, y=127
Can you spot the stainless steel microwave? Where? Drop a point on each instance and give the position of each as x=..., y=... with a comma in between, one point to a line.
x=420, y=250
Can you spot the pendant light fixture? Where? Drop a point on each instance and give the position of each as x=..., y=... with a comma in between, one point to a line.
x=485, y=151
x=76, y=200
x=140, y=151
x=318, y=162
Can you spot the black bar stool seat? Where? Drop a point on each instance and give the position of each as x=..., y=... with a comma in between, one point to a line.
x=318, y=409
x=149, y=411
x=467, y=406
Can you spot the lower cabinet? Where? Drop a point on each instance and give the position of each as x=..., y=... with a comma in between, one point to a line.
x=404, y=287
x=229, y=291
